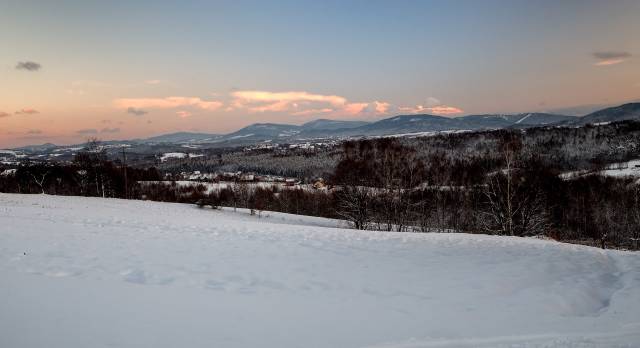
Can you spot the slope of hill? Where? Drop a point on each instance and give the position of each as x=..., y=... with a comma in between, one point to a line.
x=516, y=120
x=630, y=111
x=407, y=124
x=325, y=125
x=181, y=137
x=86, y=272
x=263, y=131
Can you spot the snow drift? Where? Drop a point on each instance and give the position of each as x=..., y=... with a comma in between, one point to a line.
x=87, y=272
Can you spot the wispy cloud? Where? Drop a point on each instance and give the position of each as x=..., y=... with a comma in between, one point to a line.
x=88, y=131
x=610, y=57
x=183, y=114
x=4, y=114
x=136, y=112
x=295, y=103
x=167, y=103
x=153, y=82
x=110, y=130
x=310, y=112
x=34, y=131
x=381, y=107
x=445, y=110
x=299, y=103
x=260, y=101
x=28, y=65
x=27, y=111
x=432, y=106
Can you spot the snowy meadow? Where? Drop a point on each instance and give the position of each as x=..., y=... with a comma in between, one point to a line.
x=91, y=272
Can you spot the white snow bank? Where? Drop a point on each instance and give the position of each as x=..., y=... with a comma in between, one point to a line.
x=172, y=155
x=87, y=272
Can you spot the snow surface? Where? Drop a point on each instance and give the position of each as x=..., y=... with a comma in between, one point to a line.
x=629, y=169
x=90, y=272
x=522, y=119
x=172, y=155
x=177, y=155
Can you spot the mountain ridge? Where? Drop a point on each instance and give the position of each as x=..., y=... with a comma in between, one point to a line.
x=399, y=124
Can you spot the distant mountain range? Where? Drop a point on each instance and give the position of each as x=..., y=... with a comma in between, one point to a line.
x=397, y=125
x=412, y=124
x=182, y=137
x=623, y=112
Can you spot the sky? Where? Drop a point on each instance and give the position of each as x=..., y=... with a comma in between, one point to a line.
x=70, y=70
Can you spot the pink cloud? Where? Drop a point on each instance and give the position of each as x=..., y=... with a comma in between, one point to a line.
x=249, y=97
x=312, y=112
x=610, y=57
x=166, y=103
x=355, y=108
x=381, y=107
x=445, y=110
x=300, y=103
x=295, y=103
x=609, y=62
x=271, y=107
x=27, y=111
x=435, y=109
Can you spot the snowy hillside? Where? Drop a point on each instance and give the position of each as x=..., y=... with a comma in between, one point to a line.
x=87, y=272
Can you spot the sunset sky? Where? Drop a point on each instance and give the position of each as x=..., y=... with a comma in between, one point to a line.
x=127, y=69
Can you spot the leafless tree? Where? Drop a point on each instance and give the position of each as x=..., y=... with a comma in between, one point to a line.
x=512, y=208
x=40, y=178
x=354, y=205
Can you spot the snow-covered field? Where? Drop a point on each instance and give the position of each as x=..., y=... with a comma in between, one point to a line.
x=88, y=272
x=629, y=169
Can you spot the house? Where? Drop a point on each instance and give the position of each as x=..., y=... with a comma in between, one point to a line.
x=247, y=177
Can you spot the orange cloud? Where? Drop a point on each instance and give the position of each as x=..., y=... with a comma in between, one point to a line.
x=312, y=112
x=437, y=110
x=355, y=108
x=609, y=62
x=286, y=97
x=296, y=103
x=381, y=107
x=183, y=114
x=301, y=103
x=445, y=110
x=610, y=57
x=166, y=103
x=271, y=107
x=27, y=111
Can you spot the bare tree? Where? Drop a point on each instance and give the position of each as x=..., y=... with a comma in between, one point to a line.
x=354, y=205
x=40, y=178
x=511, y=207
x=91, y=159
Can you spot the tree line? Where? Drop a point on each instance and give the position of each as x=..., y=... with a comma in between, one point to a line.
x=384, y=184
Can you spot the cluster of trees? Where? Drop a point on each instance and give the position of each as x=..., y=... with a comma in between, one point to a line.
x=90, y=174
x=243, y=195
x=295, y=163
x=385, y=184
